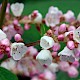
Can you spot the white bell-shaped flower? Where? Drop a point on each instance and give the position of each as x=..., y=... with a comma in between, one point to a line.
x=46, y=42
x=18, y=50
x=76, y=35
x=2, y=35
x=67, y=55
x=44, y=57
x=17, y=9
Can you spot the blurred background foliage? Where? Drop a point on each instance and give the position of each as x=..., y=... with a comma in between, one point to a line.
x=43, y=5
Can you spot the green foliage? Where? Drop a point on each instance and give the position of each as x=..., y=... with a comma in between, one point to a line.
x=7, y=75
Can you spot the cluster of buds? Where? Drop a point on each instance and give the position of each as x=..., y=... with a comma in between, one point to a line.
x=26, y=60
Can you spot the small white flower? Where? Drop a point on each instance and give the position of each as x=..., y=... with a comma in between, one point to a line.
x=78, y=17
x=46, y=42
x=53, y=16
x=17, y=9
x=2, y=35
x=44, y=57
x=67, y=55
x=18, y=50
x=76, y=35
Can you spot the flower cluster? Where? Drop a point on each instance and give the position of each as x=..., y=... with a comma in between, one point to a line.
x=41, y=65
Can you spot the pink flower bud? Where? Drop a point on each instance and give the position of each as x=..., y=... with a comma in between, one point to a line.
x=54, y=54
x=70, y=45
x=62, y=28
x=17, y=37
x=56, y=47
x=15, y=22
x=8, y=8
x=72, y=72
x=75, y=64
x=27, y=27
x=71, y=28
x=8, y=49
x=61, y=37
x=63, y=65
x=1, y=56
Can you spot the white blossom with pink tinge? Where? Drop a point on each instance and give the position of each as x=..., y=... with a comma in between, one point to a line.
x=46, y=42
x=69, y=16
x=44, y=57
x=18, y=50
x=76, y=35
x=17, y=9
x=53, y=16
x=67, y=55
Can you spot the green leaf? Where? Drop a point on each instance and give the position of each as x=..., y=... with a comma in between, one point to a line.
x=3, y=11
x=7, y=75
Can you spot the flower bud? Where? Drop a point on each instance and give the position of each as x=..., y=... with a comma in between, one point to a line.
x=75, y=64
x=70, y=45
x=62, y=28
x=61, y=37
x=17, y=37
x=26, y=26
x=56, y=47
x=63, y=65
x=71, y=28
x=72, y=72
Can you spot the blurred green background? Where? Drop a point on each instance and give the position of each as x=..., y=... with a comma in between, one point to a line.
x=43, y=5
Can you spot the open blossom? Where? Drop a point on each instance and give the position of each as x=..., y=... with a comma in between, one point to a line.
x=53, y=16
x=10, y=31
x=67, y=55
x=69, y=16
x=44, y=57
x=17, y=9
x=76, y=35
x=46, y=42
x=18, y=50
x=2, y=35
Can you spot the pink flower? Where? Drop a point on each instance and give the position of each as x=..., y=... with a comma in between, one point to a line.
x=10, y=31
x=72, y=72
x=49, y=76
x=63, y=65
x=53, y=16
x=56, y=47
x=69, y=16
